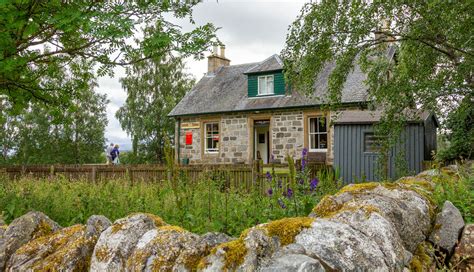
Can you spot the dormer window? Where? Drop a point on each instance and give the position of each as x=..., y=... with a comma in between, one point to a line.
x=265, y=85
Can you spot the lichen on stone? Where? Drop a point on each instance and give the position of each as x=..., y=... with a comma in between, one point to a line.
x=359, y=187
x=42, y=229
x=286, y=229
x=102, y=253
x=326, y=206
x=172, y=228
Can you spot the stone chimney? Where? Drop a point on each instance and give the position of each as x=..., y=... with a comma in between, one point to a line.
x=215, y=60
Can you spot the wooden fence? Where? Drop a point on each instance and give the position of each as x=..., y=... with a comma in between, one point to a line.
x=246, y=176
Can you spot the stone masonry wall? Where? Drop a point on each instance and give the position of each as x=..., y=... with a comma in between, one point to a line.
x=234, y=145
x=287, y=135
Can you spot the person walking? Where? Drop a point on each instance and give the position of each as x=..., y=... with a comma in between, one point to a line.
x=115, y=155
x=108, y=153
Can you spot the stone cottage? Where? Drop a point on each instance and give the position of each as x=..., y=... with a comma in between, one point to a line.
x=239, y=113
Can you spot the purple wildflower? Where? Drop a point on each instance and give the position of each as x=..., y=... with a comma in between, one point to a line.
x=270, y=191
x=303, y=158
x=281, y=203
x=269, y=176
x=301, y=181
x=289, y=193
x=313, y=184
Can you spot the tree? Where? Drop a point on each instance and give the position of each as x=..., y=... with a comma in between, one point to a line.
x=432, y=68
x=154, y=87
x=44, y=134
x=40, y=39
x=460, y=132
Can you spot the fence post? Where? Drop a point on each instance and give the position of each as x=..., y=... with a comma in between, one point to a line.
x=94, y=174
x=52, y=172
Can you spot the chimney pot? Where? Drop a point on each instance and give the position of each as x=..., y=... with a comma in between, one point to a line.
x=214, y=61
x=223, y=51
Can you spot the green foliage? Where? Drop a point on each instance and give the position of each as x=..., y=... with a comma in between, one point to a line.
x=459, y=190
x=209, y=204
x=460, y=133
x=45, y=38
x=41, y=135
x=431, y=69
x=154, y=87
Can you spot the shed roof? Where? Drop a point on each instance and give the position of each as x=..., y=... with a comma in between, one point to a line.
x=225, y=90
x=369, y=117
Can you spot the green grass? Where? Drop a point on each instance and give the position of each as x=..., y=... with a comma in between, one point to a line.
x=199, y=206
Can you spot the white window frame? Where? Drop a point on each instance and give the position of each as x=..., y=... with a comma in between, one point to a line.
x=317, y=133
x=266, y=78
x=206, y=137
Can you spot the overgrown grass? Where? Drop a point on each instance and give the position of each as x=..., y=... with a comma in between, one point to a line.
x=458, y=189
x=206, y=205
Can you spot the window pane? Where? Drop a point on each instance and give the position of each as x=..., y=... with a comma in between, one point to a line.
x=270, y=85
x=312, y=141
x=323, y=141
x=322, y=124
x=371, y=143
x=312, y=125
x=262, y=85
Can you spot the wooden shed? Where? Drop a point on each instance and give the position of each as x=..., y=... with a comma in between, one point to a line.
x=357, y=149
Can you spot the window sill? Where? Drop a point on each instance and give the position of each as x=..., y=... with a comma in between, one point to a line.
x=318, y=150
x=266, y=96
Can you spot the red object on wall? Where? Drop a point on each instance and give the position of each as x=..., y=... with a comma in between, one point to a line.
x=189, y=138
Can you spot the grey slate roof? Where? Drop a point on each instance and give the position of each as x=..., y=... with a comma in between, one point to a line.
x=272, y=63
x=369, y=117
x=225, y=90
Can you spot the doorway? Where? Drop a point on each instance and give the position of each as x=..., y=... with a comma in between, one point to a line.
x=262, y=140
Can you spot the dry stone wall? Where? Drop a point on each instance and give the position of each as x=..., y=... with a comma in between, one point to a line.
x=364, y=227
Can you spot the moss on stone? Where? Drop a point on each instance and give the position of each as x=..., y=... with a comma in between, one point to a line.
x=102, y=253
x=235, y=252
x=286, y=229
x=62, y=245
x=42, y=229
x=326, y=206
x=421, y=260
x=172, y=228
x=359, y=187
x=117, y=227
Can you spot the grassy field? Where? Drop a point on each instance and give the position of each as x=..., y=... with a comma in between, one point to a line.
x=198, y=206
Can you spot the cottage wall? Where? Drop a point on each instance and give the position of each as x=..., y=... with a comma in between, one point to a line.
x=236, y=139
x=287, y=135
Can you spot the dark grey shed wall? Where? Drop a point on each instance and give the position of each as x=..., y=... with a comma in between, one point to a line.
x=355, y=164
x=430, y=137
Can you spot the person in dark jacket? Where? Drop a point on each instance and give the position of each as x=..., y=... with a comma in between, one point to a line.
x=115, y=155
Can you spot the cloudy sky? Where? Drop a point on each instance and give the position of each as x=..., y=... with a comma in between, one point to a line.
x=252, y=30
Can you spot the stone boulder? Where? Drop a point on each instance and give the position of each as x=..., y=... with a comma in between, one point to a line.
x=449, y=224
x=401, y=203
x=158, y=250
x=96, y=224
x=293, y=263
x=68, y=249
x=22, y=230
x=463, y=257
x=117, y=242
x=191, y=254
x=255, y=246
